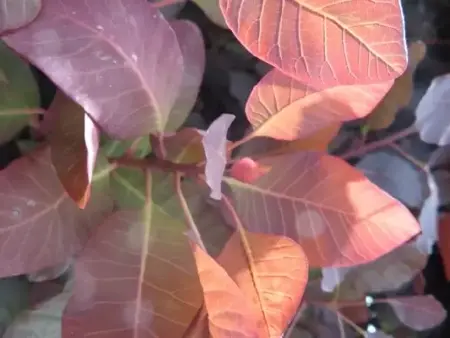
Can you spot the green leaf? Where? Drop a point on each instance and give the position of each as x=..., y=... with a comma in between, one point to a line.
x=115, y=148
x=19, y=94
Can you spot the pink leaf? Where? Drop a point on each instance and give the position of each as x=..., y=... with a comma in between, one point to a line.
x=193, y=50
x=285, y=109
x=74, y=144
x=136, y=278
x=418, y=312
x=40, y=225
x=101, y=54
x=215, y=146
x=336, y=214
x=17, y=13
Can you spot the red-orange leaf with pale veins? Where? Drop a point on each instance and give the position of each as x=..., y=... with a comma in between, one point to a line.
x=272, y=271
x=230, y=313
x=285, y=109
x=323, y=41
x=136, y=278
x=74, y=143
x=336, y=214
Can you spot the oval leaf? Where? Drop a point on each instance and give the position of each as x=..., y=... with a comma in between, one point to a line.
x=285, y=109
x=341, y=42
x=336, y=214
x=418, y=312
x=272, y=271
x=17, y=13
x=136, y=277
x=34, y=234
x=215, y=146
x=101, y=55
x=74, y=143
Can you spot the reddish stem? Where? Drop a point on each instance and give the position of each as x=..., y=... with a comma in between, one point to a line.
x=164, y=3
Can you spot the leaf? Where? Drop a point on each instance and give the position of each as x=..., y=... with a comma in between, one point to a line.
x=444, y=239
x=400, y=93
x=18, y=13
x=136, y=277
x=51, y=272
x=128, y=188
x=230, y=313
x=418, y=312
x=332, y=42
x=215, y=146
x=270, y=270
x=246, y=170
x=394, y=174
x=101, y=55
x=18, y=93
x=285, y=109
x=337, y=215
x=14, y=299
x=432, y=119
x=193, y=50
x=117, y=148
x=74, y=143
x=212, y=10
x=33, y=233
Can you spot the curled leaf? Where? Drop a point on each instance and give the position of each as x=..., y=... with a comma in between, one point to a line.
x=17, y=13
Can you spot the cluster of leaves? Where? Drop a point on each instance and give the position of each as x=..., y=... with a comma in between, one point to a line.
x=118, y=185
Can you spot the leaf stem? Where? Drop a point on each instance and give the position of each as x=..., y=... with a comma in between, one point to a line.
x=187, y=213
x=164, y=3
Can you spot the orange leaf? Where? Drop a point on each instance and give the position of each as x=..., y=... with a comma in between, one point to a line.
x=74, y=143
x=285, y=109
x=229, y=311
x=336, y=214
x=328, y=42
x=270, y=270
x=401, y=92
x=443, y=242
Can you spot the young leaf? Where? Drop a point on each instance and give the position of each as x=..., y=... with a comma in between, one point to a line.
x=418, y=312
x=137, y=277
x=215, y=146
x=230, y=312
x=345, y=43
x=18, y=13
x=40, y=224
x=246, y=170
x=432, y=118
x=272, y=271
x=401, y=92
x=336, y=214
x=212, y=10
x=74, y=143
x=193, y=50
x=285, y=109
x=19, y=93
x=101, y=55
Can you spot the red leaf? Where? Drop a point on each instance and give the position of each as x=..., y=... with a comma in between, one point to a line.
x=230, y=313
x=325, y=41
x=247, y=170
x=40, y=225
x=18, y=13
x=136, y=278
x=272, y=271
x=443, y=242
x=336, y=214
x=193, y=50
x=74, y=142
x=418, y=312
x=101, y=55
x=215, y=146
x=285, y=109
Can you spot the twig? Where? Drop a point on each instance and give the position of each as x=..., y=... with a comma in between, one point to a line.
x=420, y=165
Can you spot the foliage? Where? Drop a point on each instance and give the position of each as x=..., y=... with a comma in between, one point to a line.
x=179, y=230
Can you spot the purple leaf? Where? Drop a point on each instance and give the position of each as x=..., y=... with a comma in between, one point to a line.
x=102, y=55
x=215, y=145
x=193, y=50
x=17, y=13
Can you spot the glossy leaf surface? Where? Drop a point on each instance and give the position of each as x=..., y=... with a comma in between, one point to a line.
x=100, y=54
x=283, y=108
x=136, y=277
x=272, y=271
x=74, y=144
x=326, y=41
x=34, y=233
x=336, y=214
